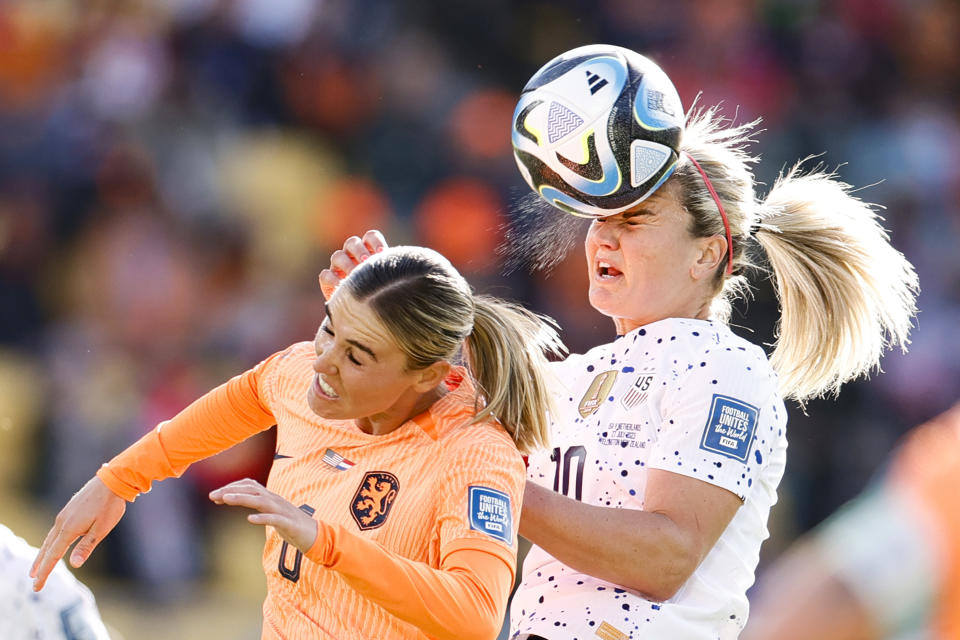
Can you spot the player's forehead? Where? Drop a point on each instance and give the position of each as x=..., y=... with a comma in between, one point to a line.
x=357, y=320
x=664, y=200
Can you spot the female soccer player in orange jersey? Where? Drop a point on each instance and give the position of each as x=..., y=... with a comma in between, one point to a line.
x=392, y=503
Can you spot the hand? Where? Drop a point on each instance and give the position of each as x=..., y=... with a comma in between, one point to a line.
x=293, y=525
x=91, y=513
x=343, y=261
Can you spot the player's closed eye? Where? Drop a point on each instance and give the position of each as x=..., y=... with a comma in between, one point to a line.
x=352, y=358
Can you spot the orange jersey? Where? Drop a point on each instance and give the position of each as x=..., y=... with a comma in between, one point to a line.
x=927, y=468
x=417, y=528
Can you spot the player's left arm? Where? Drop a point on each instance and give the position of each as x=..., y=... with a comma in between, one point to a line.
x=655, y=550
x=464, y=599
x=696, y=482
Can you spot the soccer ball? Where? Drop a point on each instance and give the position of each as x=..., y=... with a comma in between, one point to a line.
x=597, y=130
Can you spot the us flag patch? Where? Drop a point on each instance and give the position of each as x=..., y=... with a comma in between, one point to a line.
x=336, y=460
x=638, y=391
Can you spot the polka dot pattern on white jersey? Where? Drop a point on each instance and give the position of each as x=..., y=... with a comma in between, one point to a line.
x=687, y=396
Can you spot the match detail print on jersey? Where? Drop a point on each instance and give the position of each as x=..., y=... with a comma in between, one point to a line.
x=730, y=427
x=374, y=498
x=490, y=513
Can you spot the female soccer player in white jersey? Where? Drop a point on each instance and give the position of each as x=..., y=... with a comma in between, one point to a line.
x=647, y=512
x=667, y=445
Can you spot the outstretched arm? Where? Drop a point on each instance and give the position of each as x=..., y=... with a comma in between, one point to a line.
x=465, y=599
x=223, y=417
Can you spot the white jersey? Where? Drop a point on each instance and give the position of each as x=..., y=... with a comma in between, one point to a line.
x=63, y=610
x=682, y=395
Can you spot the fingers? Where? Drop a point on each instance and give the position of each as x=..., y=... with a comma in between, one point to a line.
x=329, y=281
x=256, y=501
x=342, y=263
x=85, y=547
x=291, y=523
x=356, y=249
x=374, y=241
x=54, y=546
x=90, y=514
x=235, y=491
x=268, y=519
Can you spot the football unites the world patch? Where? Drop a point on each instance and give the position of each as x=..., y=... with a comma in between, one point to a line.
x=490, y=513
x=730, y=427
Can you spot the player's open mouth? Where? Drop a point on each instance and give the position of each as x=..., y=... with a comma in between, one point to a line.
x=606, y=271
x=323, y=389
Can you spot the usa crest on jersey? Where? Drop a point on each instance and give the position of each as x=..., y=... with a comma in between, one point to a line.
x=638, y=391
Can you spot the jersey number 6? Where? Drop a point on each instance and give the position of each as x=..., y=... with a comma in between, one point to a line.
x=563, y=461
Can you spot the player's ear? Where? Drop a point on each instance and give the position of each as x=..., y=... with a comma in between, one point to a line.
x=711, y=250
x=429, y=377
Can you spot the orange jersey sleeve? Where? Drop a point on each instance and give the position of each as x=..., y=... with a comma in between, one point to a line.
x=464, y=599
x=229, y=414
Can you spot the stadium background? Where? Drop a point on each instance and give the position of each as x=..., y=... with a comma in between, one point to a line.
x=174, y=174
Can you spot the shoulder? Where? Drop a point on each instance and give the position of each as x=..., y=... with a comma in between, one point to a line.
x=708, y=366
x=469, y=437
x=292, y=359
x=713, y=350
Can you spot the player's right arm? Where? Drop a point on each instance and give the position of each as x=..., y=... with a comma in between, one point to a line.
x=221, y=418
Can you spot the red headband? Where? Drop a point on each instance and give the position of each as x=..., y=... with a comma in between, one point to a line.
x=723, y=214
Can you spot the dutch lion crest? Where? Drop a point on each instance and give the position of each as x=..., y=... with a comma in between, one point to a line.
x=373, y=499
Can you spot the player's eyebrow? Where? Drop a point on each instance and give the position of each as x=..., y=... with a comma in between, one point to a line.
x=637, y=212
x=358, y=345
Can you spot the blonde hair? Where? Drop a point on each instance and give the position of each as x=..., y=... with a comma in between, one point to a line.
x=845, y=293
x=433, y=315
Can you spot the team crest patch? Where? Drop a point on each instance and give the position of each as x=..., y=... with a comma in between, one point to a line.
x=637, y=393
x=730, y=427
x=597, y=392
x=373, y=500
x=490, y=513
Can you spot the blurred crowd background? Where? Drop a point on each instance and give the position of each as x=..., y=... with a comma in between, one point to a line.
x=175, y=173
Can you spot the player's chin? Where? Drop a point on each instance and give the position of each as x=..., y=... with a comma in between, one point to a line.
x=324, y=407
x=605, y=301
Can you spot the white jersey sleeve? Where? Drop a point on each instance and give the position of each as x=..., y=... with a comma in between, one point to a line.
x=63, y=610
x=712, y=418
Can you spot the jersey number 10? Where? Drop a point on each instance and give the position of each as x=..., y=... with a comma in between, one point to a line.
x=563, y=464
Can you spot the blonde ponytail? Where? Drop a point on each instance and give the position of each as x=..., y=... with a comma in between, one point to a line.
x=506, y=355
x=845, y=293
